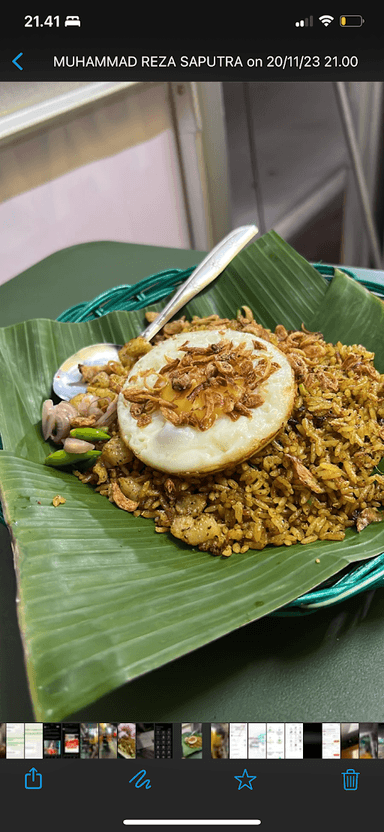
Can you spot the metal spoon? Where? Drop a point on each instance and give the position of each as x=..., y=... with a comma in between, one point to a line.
x=67, y=379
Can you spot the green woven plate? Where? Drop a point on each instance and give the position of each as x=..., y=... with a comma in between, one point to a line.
x=102, y=598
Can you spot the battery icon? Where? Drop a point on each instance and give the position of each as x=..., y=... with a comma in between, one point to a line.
x=351, y=20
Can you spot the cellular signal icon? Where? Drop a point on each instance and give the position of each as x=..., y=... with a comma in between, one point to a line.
x=306, y=22
x=326, y=19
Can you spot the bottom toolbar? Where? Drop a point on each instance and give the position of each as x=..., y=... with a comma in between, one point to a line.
x=174, y=792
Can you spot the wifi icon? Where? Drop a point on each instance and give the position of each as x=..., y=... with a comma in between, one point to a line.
x=326, y=19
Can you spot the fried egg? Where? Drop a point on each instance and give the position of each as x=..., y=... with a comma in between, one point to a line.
x=186, y=450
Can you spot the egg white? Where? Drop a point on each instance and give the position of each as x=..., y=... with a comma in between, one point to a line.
x=188, y=450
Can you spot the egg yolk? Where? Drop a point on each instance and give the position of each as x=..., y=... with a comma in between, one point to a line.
x=187, y=403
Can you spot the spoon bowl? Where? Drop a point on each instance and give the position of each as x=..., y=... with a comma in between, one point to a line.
x=67, y=381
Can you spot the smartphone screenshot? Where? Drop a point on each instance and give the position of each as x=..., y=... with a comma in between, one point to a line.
x=163, y=740
x=330, y=740
x=33, y=740
x=52, y=740
x=294, y=741
x=275, y=740
x=257, y=740
x=238, y=740
x=14, y=740
x=71, y=740
x=192, y=417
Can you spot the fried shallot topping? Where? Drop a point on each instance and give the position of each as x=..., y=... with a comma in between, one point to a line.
x=205, y=383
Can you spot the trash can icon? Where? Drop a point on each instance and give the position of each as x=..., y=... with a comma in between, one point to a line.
x=350, y=778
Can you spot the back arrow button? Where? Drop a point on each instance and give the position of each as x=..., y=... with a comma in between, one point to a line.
x=16, y=59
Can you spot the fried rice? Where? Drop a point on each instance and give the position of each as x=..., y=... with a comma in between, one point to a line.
x=317, y=478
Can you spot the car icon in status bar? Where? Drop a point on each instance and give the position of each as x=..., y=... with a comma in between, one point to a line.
x=72, y=20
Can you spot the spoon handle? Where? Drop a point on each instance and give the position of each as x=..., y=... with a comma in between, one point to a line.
x=212, y=265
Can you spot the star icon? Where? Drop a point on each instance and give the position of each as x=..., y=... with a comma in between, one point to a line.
x=245, y=776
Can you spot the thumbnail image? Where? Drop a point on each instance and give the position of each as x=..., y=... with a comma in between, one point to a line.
x=15, y=740
x=89, y=740
x=52, y=740
x=163, y=740
x=331, y=740
x=294, y=741
x=368, y=740
x=257, y=740
x=71, y=740
x=349, y=740
x=52, y=748
x=380, y=741
x=126, y=740
x=145, y=740
x=275, y=740
x=107, y=740
x=312, y=740
x=33, y=740
x=219, y=740
x=71, y=744
x=2, y=739
x=192, y=740
x=238, y=740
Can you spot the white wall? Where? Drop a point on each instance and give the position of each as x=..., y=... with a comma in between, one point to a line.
x=110, y=172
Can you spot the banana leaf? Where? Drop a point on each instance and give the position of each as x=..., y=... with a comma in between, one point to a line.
x=102, y=598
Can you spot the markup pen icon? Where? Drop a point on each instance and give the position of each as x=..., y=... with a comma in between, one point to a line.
x=33, y=780
x=351, y=780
